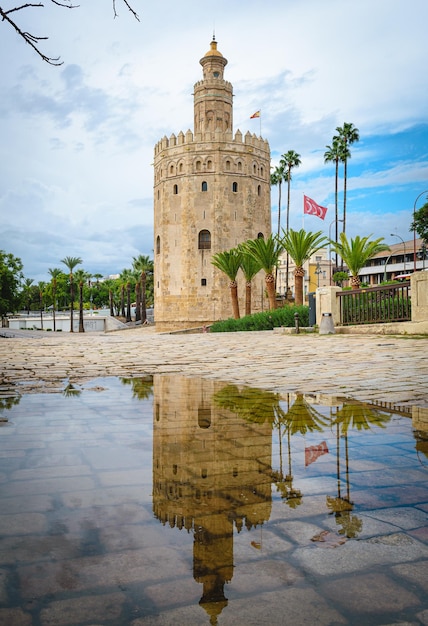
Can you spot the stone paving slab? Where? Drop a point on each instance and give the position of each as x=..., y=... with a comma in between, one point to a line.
x=367, y=367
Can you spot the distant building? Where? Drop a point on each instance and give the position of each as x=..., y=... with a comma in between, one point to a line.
x=397, y=261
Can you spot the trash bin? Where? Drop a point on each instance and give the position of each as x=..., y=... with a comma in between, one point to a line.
x=312, y=301
x=327, y=325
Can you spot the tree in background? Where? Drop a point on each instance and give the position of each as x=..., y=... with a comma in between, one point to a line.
x=70, y=262
x=357, y=252
x=229, y=263
x=347, y=135
x=54, y=273
x=336, y=154
x=11, y=277
x=41, y=286
x=250, y=267
x=27, y=293
x=266, y=252
x=81, y=277
x=420, y=222
x=301, y=245
x=288, y=161
x=144, y=265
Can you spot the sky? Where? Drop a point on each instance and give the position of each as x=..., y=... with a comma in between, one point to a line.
x=76, y=175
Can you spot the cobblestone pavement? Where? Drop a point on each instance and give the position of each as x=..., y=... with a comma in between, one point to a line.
x=367, y=367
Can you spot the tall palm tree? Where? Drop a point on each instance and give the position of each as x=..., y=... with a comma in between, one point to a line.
x=41, y=287
x=301, y=245
x=81, y=277
x=27, y=293
x=288, y=160
x=250, y=267
x=347, y=135
x=266, y=252
x=335, y=154
x=143, y=264
x=70, y=262
x=357, y=252
x=229, y=263
x=277, y=177
x=54, y=273
x=127, y=278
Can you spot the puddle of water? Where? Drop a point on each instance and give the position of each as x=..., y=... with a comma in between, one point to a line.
x=166, y=500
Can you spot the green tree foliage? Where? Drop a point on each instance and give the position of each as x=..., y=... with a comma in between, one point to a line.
x=346, y=136
x=250, y=267
x=356, y=252
x=11, y=277
x=266, y=252
x=301, y=245
x=229, y=263
x=70, y=262
x=420, y=222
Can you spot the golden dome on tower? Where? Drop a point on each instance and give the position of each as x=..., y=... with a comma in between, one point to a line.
x=213, y=52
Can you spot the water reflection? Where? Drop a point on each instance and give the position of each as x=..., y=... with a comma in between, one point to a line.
x=136, y=488
x=213, y=467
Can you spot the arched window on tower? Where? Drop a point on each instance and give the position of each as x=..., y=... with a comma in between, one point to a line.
x=234, y=187
x=260, y=236
x=158, y=245
x=209, y=164
x=239, y=166
x=259, y=190
x=204, y=186
x=198, y=166
x=228, y=165
x=204, y=240
x=175, y=190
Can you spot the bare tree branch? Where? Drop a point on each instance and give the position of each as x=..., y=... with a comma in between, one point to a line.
x=34, y=40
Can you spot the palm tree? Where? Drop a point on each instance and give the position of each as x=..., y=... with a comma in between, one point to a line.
x=335, y=154
x=71, y=262
x=266, y=252
x=54, y=273
x=347, y=135
x=27, y=293
x=277, y=177
x=126, y=278
x=288, y=160
x=229, y=263
x=41, y=287
x=250, y=267
x=357, y=252
x=81, y=277
x=143, y=264
x=301, y=245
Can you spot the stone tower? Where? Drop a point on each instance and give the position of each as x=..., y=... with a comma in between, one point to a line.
x=211, y=192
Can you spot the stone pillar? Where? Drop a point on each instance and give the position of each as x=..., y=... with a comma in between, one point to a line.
x=327, y=302
x=419, y=292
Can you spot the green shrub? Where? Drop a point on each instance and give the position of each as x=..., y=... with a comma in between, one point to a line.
x=264, y=321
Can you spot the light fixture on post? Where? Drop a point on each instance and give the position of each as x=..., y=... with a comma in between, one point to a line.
x=404, y=249
x=414, y=230
x=318, y=272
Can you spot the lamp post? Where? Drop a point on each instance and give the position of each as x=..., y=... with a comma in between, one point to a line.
x=404, y=249
x=414, y=230
x=318, y=271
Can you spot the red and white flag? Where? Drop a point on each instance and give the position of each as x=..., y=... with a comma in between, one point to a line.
x=256, y=114
x=312, y=453
x=312, y=208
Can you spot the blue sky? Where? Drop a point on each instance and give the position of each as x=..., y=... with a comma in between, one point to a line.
x=77, y=140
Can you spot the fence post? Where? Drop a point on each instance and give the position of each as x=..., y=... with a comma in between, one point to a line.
x=328, y=302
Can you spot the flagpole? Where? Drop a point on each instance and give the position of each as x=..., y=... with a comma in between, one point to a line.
x=260, y=118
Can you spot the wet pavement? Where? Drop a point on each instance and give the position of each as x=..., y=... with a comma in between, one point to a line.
x=188, y=501
x=373, y=368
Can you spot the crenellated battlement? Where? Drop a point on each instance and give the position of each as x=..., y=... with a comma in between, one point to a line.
x=188, y=138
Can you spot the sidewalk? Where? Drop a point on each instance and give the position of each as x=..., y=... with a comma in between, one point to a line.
x=366, y=367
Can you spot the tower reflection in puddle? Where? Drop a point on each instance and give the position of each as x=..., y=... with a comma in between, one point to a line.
x=212, y=472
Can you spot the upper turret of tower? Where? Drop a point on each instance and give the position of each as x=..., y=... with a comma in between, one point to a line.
x=213, y=62
x=213, y=95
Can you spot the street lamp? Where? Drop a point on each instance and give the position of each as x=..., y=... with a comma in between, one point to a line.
x=318, y=271
x=404, y=249
x=414, y=230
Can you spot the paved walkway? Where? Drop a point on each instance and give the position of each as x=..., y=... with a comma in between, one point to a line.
x=366, y=367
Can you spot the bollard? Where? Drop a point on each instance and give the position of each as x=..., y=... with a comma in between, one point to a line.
x=327, y=325
x=296, y=322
